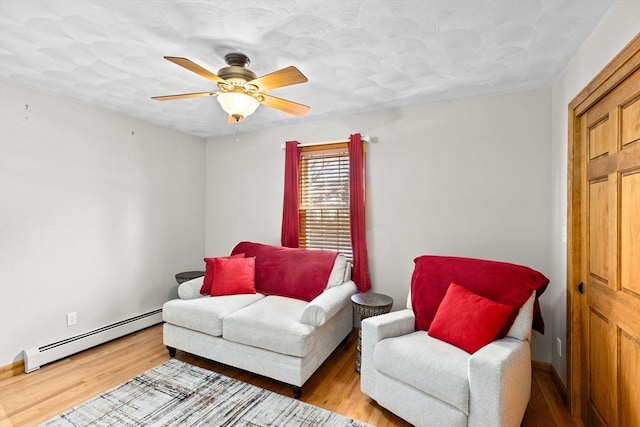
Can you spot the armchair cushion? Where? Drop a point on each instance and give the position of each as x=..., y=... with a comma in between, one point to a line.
x=521, y=328
x=427, y=364
x=468, y=320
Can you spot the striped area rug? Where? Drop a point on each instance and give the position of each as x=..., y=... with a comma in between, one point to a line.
x=179, y=394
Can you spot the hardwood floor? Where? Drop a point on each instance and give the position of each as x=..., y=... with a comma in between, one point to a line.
x=29, y=399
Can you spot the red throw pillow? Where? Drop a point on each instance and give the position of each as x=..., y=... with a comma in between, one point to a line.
x=234, y=276
x=205, y=289
x=468, y=320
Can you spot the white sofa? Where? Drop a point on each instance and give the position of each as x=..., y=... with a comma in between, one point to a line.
x=279, y=337
x=429, y=382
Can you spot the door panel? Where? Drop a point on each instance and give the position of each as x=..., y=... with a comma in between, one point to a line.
x=599, y=230
x=630, y=381
x=630, y=124
x=599, y=137
x=602, y=360
x=630, y=225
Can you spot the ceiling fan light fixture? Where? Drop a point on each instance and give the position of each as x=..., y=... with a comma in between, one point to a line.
x=238, y=105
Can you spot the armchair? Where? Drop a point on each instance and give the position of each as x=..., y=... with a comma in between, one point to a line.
x=430, y=382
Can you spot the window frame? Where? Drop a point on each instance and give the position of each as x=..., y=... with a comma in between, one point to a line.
x=340, y=231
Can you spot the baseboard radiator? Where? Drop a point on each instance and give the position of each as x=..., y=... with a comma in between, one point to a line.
x=36, y=357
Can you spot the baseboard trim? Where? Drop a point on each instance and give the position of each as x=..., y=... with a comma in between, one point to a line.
x=555, y=378
x=11, y=370
x=38, y=356
x=562, y=389
x=541, y=366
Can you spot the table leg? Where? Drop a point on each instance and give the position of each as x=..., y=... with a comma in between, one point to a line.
x=359, y=349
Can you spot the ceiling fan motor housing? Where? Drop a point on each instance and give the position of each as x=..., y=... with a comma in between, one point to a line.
x=236, y=73
x=238, y=59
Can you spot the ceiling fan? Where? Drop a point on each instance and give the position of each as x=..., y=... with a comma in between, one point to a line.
x=240, y=90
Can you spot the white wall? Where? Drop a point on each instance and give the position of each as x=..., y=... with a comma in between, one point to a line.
x=467, y=178
x=93, y=219
x=616, y=29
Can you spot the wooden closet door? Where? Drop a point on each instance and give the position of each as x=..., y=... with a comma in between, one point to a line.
x=610, y=132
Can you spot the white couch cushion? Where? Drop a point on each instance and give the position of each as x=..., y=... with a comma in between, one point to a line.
x=273, y=323
x=337, y=276
x=428, y=364
x=347, y=272
x=205, y=314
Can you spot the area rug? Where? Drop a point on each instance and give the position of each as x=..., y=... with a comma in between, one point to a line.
x=179, y=394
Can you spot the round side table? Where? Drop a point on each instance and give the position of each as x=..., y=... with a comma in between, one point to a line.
x=188, y=275
x=369, y=304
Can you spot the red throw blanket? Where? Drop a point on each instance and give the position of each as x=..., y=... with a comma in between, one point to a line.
x=499, y=281
x=289, y=272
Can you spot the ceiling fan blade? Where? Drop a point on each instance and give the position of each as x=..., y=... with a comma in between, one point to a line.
x=183, y=96
x=192, y=66
x=284, y=105
x=284, y=77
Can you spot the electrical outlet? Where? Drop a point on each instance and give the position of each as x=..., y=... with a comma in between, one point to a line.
x=559, y=346
x=72, y=318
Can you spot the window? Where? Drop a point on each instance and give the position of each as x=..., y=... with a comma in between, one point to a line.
x=324, y=198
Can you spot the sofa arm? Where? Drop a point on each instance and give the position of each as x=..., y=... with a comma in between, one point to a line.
x=327, y=304
x=499, y=383
x=373, y=330
x=190, y=289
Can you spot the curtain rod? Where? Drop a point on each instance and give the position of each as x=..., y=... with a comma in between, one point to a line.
x=365, y=139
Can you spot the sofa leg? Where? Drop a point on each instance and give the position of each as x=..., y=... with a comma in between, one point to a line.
x=297, y=392
x=172, y=351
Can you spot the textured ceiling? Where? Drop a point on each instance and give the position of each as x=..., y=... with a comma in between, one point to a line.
x=359, y=55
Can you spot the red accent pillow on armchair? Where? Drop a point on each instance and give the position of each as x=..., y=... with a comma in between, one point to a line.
x=209, y=270
x=468, y=320
x=234, y=276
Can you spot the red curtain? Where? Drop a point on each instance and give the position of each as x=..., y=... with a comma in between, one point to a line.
x=290, y=221
x=360, y=274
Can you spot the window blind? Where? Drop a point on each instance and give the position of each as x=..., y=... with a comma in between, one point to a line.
x=324, y=199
